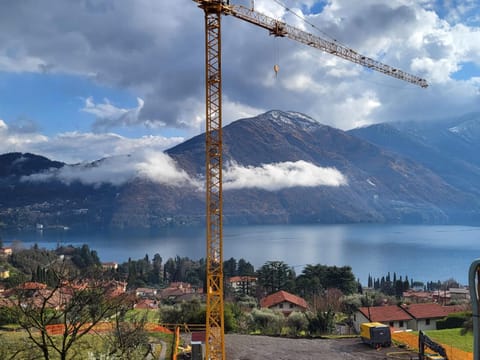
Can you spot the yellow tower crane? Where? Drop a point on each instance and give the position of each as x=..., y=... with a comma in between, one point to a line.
x=215, y=344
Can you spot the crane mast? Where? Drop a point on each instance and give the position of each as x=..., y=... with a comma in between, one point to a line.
x=215, y=342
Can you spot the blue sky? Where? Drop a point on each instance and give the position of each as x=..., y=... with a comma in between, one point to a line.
x=99, y=78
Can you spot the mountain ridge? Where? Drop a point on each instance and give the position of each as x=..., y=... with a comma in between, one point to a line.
x=393, y=175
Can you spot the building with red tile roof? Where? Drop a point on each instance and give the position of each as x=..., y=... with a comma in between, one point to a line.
x=425, y=316
x=284, y=302
x=147, y=304
x=390, y=315
x=422, y=316
x=178, y=290
x=31, y=285
x=417, y=296
x=243, y=284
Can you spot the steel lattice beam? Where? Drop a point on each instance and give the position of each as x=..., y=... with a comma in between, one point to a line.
x=215, y=342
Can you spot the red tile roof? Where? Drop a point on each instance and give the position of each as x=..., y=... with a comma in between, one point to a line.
x=146, y=304
x=427, y=310
x=30, y=285
x=282, y=296
x=385, y=313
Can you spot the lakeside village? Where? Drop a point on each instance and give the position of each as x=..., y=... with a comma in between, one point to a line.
x=272, y=300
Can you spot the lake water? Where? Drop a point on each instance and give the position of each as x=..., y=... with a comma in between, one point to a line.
x=424, y=253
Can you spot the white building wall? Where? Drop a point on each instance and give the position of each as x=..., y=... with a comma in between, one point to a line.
x=286, y=307
x=421, y=324
x=359, y=318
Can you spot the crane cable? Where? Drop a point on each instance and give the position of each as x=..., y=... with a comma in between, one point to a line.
x=301, y=17
x=276, y=67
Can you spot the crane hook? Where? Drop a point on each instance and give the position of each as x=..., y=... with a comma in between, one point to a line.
x=276, y=68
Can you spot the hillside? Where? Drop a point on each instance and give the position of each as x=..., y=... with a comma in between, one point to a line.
x=280, y=168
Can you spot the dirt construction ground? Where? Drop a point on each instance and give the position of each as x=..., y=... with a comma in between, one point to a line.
x=247, y=347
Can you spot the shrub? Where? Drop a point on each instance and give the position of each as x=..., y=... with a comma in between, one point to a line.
x=267, y=321
x=453, y=321
x=296, y=322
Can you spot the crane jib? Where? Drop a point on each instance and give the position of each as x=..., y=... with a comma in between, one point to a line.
x=279, y=28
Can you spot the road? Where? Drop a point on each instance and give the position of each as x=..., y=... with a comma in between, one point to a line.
x=247, y=347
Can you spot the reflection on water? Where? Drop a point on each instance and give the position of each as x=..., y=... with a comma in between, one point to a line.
x=423, y=253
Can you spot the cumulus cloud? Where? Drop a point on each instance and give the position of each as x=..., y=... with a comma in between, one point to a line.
x=155, y=166
x=108, y=115
x=12, y=140
x=282, y=175
x=20, y=63
x=155, y=50
x=160, y=168
x=75, y=147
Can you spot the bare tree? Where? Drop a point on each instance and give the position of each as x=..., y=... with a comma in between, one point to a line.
x=129, y=338
x=56, y=318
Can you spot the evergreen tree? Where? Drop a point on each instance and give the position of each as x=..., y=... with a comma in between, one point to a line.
x=244, y=268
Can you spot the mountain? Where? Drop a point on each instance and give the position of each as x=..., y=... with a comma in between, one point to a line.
x=280, y=167
x=17, y=164
x=448, y=147
x=23, y=204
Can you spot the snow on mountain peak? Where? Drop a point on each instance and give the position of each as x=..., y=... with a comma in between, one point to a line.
x=292, y=118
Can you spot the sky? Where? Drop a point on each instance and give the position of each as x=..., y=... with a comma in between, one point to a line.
x=87, y=79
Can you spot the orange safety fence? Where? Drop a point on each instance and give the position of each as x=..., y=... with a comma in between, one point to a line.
x=177, y=343
x=157, y=328
x=411, y=340
x=58, y=329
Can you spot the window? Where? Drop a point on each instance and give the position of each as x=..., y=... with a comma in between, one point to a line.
x=280, y=306
x=291, y=306
x=400, y=323
x=427, y=321
x=391, y=324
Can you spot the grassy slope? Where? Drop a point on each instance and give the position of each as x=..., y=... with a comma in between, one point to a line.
x=452, y=337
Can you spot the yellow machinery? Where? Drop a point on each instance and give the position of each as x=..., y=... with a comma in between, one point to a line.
x=425, y=342
x=375, y=334
x=214, y=9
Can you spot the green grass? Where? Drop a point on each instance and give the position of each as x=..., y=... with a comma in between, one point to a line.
x=13, y=341
x=152, y=315
x=452, y=337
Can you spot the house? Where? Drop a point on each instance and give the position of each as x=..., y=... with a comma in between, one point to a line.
x=457, y=294
x=147, y=304
x=4, y=273
x=146, y=292
x=115, y=288
x=441, y=296
x=5, y=251
x=284, y=302
x=425, y=316
x=391, y=315
x=422, y=316
x=109, y=266
x=177, y=290
x=31, y=285
x=417, y=296
x=244, y=285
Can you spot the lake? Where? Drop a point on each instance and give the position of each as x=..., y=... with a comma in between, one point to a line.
x=423, y=252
